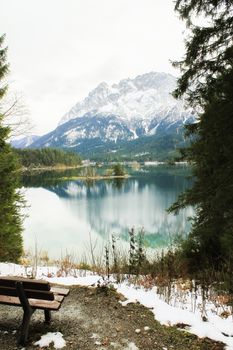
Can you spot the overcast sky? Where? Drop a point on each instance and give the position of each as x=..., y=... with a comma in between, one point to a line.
x=59, y=50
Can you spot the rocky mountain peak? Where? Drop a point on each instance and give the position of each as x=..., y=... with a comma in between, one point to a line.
x=138, y=112
x=140, y=97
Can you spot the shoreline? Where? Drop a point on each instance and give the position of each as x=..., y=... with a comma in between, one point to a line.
x=34, y=171
x=68, y=167
x=100, y=177
x=49, y=168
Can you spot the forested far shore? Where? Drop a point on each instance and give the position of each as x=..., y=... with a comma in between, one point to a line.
x=47, y=157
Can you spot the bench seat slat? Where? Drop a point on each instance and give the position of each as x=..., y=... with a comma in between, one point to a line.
x=27, y=283
x=61, y=291
x=34, y=303
x=9, y=300
x=35, y=294
x=59, y=298
x=45, y=304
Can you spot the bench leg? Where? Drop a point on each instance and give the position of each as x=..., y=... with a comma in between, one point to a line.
x=28, y=311
x=47, y=315
x=23, y=336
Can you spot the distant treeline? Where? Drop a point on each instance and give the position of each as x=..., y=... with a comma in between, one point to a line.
x=147, y=148
x=44, y=157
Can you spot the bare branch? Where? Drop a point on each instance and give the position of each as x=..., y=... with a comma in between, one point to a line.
x=16, y=115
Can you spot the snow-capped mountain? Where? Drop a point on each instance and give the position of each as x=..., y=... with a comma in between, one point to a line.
x=24, y=142
x=141, y=98
x=126, y=111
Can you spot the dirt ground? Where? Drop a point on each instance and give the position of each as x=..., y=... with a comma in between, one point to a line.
x=93, y=318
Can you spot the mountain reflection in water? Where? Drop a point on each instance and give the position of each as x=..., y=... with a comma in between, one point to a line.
x=64, y=215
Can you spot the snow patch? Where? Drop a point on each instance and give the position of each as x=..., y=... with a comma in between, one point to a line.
x=131, y=346
x=55, y=338
x=215, y=328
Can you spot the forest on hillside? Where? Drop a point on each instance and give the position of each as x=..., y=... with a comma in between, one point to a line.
x=47, y=157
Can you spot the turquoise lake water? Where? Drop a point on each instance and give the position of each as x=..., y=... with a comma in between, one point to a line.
x=70, y=217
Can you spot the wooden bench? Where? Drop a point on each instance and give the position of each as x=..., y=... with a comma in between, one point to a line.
x=30, y=295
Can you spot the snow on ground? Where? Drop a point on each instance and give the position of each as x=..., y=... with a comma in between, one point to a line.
x=84, y=278
x=170, y=315
x=131, y=346
x=55, y=338
x=215, y=328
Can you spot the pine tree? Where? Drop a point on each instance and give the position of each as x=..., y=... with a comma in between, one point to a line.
x=207, y=84
x=10, y=199
x=118, y=170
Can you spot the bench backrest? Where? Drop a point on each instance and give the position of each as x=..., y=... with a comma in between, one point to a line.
x=34, y=289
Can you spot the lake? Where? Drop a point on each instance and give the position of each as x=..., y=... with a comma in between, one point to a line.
x=71, y=216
